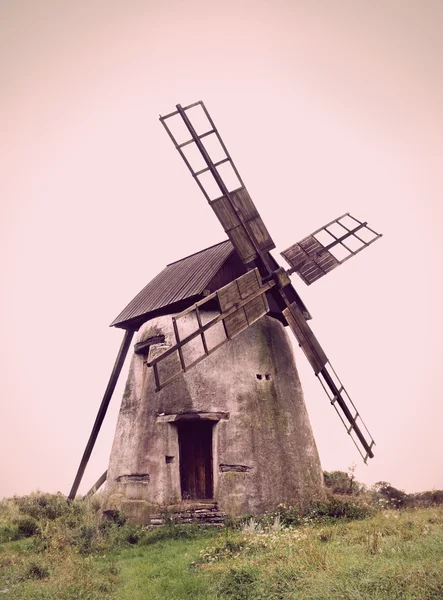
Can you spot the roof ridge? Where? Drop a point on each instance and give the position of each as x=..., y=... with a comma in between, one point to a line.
x=198, y=252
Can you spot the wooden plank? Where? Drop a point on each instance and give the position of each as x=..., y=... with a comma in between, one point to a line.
x=225, y=213
x=200, y=324
x=261, y=234
x=143, y=347
x=156, y=377
x=97, y=485
x=305, y=337
x=240, y=289
x=295, y=256
x=242, y=243
x=256, y=309
x=248, y=283
x=228, y=296
x=311, y=272
x=249, y=214
x=310, y=269
x=207, y=416
x=327, y=261
x=235, y=323
x=310, y=245
x=243, y=204
x=313, y=278
x=313, y=361
x=179, y=347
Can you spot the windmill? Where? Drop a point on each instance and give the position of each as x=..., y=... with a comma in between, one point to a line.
x=242, y=295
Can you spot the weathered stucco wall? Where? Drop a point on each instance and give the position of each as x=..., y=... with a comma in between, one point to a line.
x=264, y=452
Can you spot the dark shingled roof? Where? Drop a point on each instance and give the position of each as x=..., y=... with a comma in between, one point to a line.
x=179, y=280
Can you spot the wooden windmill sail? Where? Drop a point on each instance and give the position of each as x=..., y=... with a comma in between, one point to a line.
x=264, y=287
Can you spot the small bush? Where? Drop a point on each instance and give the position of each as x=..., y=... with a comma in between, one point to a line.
x=332, y=508
x=277, y=525
x=252, y=526
x=125, y=535
x=18, y=528
x=36, y=570
x=389, y=496
x=425, y=499
x=114, y=516
x=43, y=506
x=27, y=526
x=288, y=516
x=340, y=507
x=340, y=482
x=326, y=535
x=84, y=538
x=9, y=533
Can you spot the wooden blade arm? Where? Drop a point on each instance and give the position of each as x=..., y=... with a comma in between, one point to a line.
x=338, y=397
x=239, y=304
x=336, y=392
x=234, y=207
x=326, y=248
x=102, y=410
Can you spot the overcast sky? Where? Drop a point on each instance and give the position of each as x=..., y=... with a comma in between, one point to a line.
x=325, y=107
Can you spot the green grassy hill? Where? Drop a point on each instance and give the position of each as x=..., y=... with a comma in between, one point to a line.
x=340, y=549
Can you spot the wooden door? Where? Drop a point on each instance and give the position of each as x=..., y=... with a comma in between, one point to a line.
x=195, y=445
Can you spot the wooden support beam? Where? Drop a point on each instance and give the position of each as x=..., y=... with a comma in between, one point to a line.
x=97, y=485
x=102, y=410
x=143, y=347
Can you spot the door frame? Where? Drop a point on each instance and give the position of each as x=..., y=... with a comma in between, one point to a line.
x=208, y=425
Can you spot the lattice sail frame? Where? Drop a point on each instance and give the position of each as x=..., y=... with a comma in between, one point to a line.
x=328, y=247
x=212, y=167
x=239, y=304
x=335, y=390
x=342, y=402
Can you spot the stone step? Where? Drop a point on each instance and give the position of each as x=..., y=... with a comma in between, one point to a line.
x=193, y=505
x=206, y=513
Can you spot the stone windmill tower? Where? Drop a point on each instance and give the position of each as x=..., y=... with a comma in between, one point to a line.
x=213, y=408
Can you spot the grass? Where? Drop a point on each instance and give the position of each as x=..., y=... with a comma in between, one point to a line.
x=387, y=557
x=164, y=570
x=27, y=574
x=53, y=550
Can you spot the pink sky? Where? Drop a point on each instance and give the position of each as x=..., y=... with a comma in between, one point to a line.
x=325, y=109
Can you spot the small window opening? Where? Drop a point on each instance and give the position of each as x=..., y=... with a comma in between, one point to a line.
x=267, y=376
x=169, y=459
